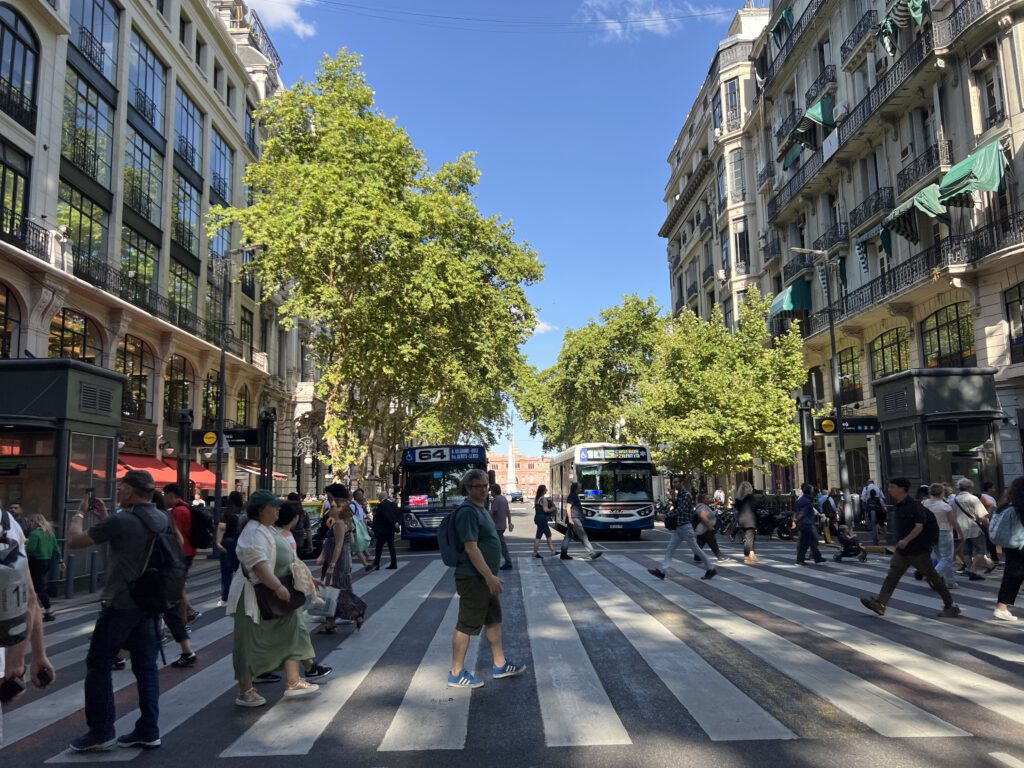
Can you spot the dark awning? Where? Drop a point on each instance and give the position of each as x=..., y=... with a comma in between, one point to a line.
x=903, y=219
x=819, y=113
x=784, y=23
x=795, y=298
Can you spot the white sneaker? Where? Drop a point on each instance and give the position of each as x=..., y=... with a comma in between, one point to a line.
x=300, y=688
x=1004, y=615
x=221, y=603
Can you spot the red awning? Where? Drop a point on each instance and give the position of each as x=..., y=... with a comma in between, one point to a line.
x=162, y=474
x=254, y=470
x=201, y=476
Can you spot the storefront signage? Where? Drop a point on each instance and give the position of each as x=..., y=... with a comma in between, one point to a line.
x=851, y=426
x=208, y=437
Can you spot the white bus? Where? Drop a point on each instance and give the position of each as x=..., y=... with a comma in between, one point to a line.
x=615, y=482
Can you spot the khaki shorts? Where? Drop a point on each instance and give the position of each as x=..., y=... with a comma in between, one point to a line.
x=477, y=606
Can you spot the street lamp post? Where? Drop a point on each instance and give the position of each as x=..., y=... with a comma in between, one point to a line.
x=223, y=269
x=837, y=397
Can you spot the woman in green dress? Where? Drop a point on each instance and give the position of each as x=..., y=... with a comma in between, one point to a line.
x=263, y=645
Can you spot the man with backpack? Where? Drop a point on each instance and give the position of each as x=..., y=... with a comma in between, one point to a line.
x=143, y=569
x=181, y=515
x=917, y=531
x=477, y=583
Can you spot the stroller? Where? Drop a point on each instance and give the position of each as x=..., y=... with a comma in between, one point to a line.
x=850, y=545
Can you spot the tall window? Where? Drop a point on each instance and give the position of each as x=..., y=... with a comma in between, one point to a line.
x=147, y=82
x=143, y=177
x=1015, y=315
x=739, y=187
x=14, y=172
x=723, y=241
x=849, y=374
x=139, y=259
x=135, y=361
x=245, y=328
x=721, y=182
x=86, y=223
x=188, y=130
x=94, y=31
x=716, y=110
x=739, y=228
x=179, y=381
x=185, y=213
x=242, y=407
x=947, y=338
x=74, y=335
x=212, y=305
x=727, y=313
x=10, y=324
x=211, y=396
x=248, y=279
x=222, y=163
x=87, y=137
x=19, y=56
x=732, y=104
x=183, y=284
x=251, y=138
x=220, y=243
x=889, y=353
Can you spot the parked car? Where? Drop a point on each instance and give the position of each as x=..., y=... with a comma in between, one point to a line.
x=516, y=497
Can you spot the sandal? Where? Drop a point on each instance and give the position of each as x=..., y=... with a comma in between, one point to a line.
x=327, y=629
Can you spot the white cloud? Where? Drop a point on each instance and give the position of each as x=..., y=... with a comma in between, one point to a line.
x=283, y=14
x=629, y=19
x=544, y=327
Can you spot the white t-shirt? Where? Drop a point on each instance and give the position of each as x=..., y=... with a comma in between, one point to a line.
x=941, y=510
x=15, y=534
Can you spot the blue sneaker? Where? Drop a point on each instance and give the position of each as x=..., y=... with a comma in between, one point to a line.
x=464, y=680
x=92, y=743
x=509, y=669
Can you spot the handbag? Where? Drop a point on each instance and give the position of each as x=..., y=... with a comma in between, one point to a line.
x=326, y=602
x=1006, y=530
x=360, y=535
x=271, y=606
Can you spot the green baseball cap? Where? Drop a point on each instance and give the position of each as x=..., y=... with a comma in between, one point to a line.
x=262, y=498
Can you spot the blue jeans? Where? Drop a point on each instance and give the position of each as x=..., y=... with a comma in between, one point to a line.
x=228, y=566
x=808, y=540
x=684, y=535
x=135, y=631
x=943, y=554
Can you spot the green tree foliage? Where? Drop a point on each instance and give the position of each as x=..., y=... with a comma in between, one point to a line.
x=586, y=394
x=413, y=300
x=713, y=399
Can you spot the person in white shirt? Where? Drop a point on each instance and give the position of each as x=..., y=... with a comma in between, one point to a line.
x=946, y=518
x=12, y=663
x=971, y=515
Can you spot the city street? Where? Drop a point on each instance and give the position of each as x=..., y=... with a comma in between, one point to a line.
x=768, y=665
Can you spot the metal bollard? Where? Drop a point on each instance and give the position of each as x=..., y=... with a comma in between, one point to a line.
x=94, y=570
x=69, y=577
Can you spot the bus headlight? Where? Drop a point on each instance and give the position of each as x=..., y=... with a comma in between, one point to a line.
x=411, y=521
x=646, y=511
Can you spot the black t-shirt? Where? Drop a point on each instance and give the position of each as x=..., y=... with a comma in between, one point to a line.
x=907, y=514
x=385, y=516
x=230, y=520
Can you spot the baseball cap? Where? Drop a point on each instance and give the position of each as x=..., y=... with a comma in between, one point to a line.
x=262, y=498
x=140, y=480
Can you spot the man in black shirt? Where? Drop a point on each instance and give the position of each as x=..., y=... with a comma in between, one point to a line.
x=912, y=550
x=385, y=526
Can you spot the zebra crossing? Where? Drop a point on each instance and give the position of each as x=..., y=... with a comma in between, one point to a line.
x=770, y=654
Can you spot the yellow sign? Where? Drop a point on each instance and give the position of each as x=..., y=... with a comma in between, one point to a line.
x=210, y=438
x=828, y=426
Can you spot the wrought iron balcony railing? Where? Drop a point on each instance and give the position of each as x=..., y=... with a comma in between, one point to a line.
x=19, y=231
x=766, y=172
x=17, y=105
x=773, y=251
x=732, y=119
x=936, y=155
x=837, y=234
x=145, y=107
x=91, y=48
x=879, y=200
x=994, y=118
x=81, y=151
x=788, y=125
x=795, y=35
x=219, y=185
x=866, y=26
x=138, y=200
x=825, y=81
x=708, y=273
x=187, y=151
x=798, y=263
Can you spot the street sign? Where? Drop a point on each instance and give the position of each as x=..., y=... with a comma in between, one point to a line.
x=233, y=437
x=862, y=425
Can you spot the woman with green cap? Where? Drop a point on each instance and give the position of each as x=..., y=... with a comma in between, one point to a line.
x=264, y=645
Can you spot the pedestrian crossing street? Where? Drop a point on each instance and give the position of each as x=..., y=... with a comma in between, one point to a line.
x=768, y=653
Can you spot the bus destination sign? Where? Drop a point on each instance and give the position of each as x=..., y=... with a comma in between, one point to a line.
x=429, y=454
x=625, y=453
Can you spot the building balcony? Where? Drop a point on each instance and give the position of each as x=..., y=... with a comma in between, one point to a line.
x=14, y=103
x=185, y=150
x=923, y=267
x=796, y=182
x=798, y=263
x=247, y=20
x=825, y=83
x=673, y=262
x=732, y=119
x=786, y=128
x=804, y=23
x=995, y=117
x=691, y=289
x=708, y=274
x=860, y=42
x=81, y=151
x=937, y=157
x=136, y=198
x=184, y=235
x=686, y=196
x=91, y=48
x=765, y=174
x=22, y=233
x=741, y=268
x=879, y=201
x=962, y=18
x=836, y=235
x=773, y=251
x=219, y=185
x=145, y=106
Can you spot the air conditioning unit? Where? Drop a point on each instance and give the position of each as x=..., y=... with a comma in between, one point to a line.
x=983, y=58
x=839, y=112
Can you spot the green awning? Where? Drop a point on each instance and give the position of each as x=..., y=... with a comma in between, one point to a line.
x=795, y=298
x=919, y=9
x=903, y=219
x=888, y=35
x=981, y=171
x=819, y=113
x=899, y=17
x=792, y=156
x=784, y=23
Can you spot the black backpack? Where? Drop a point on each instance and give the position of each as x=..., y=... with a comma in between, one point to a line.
x=161, y=583
x=200, y=531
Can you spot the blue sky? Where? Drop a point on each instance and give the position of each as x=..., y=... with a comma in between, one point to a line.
x=572, y=121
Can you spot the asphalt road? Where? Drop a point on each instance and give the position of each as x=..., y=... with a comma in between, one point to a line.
x=768, y=665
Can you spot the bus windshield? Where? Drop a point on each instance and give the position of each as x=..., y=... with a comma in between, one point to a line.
x=437, y=485
x=615, y=482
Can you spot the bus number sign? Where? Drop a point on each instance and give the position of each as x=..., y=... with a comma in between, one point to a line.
x=443, y=453
x=613, y=454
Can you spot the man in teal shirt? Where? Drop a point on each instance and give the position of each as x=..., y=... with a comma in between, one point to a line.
x=477, y=584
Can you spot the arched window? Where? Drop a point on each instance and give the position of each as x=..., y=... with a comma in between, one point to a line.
x=889, y=353
x=10, y=324
x=19, y=55
x=211, y=397
x=135, y=361
x=947, y=338
x=179, y=381
x=74, y=335
x=242, y=407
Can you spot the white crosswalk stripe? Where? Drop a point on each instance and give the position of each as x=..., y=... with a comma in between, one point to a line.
x=570, y=691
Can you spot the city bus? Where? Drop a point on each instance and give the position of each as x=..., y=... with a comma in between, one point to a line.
x=428, y=481
x=616, y=486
